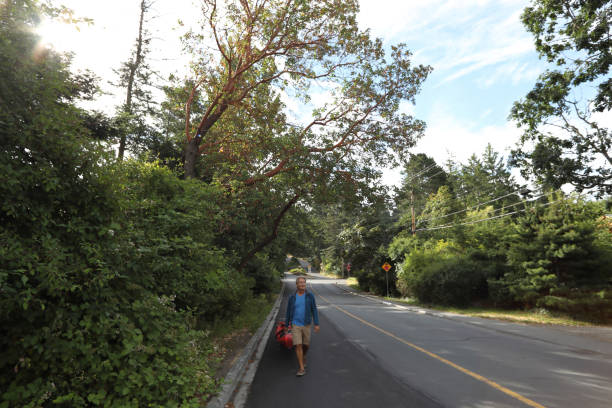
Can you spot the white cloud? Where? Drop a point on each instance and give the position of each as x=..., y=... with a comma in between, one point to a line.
x=456, y=37
x=450, y=138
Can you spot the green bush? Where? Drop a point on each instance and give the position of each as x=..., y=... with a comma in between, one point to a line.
x=262, y=274
x=374, y=279
x=83, y=322
x=440, y=274
x=165, y=242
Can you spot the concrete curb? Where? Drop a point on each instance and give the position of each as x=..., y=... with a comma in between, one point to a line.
x=240, y=376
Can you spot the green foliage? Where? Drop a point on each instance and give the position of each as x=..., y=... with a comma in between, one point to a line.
x=554, y=256
x=105, y=271
x=422, y=177
x=440, y=273
x=557, y=247
x=594, y=303
x=574, y=35
x=265, y=275
x=166, y=242
x=485, y=177
x=358, y=234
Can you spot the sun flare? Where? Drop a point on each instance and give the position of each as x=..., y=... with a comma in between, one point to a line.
x=60, y=36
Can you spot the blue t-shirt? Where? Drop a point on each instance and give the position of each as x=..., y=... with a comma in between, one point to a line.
x=299, y=311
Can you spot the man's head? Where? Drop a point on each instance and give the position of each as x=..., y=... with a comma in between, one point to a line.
x=300, y=283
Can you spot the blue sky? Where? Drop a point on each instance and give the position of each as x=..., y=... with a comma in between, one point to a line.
x=482, y=56
x=483, y=61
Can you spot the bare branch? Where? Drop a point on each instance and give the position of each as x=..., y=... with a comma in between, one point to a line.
x=214, y=29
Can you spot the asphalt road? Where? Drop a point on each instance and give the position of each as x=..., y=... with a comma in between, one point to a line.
x=370, y=354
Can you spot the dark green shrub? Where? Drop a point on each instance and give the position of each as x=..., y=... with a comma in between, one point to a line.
x=165, y=242
x=440, y=274
x=374, y=280
x=262, y=274
x=559, y=246
x=77, y=327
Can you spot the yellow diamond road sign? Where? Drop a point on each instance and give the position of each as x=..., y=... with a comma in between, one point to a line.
x=386, y=266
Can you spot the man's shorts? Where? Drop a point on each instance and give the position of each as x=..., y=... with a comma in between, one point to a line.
x=301, y=334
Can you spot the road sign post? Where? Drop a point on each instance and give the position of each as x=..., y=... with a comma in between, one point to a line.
x=386, y=267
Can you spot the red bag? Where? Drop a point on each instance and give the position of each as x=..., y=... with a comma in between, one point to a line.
x=283, y=338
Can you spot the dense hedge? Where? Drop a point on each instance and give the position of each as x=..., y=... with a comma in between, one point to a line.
x=555, y=257
x=441, y=274
x=101, y=292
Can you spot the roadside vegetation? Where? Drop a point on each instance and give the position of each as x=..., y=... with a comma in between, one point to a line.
x=133, y=244
x=543, y=254
x=468, y=234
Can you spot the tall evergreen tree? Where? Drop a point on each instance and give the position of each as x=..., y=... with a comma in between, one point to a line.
x=135, y=78
x=487, y=178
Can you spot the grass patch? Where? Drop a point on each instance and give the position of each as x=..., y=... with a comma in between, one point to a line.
x=329, y=275
x=352, y=283
x=228, y=338
x=536, y=316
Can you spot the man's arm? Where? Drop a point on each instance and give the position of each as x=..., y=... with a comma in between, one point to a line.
x=288, y=313
x=315, y=314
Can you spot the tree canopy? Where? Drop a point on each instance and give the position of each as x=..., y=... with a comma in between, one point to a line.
x=569, y=145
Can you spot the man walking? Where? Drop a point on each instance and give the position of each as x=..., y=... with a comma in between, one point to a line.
x=301, y=310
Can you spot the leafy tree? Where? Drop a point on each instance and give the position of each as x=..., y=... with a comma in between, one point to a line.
x=237, y=134
x=288, y=44
x=575, y=36
x=440, y=210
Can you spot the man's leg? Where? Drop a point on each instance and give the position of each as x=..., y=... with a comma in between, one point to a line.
x=299, y=351
x=305, y=341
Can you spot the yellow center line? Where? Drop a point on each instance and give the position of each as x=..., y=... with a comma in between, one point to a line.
x=437, y=357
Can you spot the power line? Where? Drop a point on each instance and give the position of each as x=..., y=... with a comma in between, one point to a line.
x=420, y=172
x=504, y=207
x=488, y=219
x=512, y=205
x=434, y=175
x=525, y=191
x=472, y=207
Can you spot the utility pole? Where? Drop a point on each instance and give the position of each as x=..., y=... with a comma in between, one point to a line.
x=412, y=211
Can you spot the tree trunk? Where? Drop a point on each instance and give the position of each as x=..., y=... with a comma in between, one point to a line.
x=133, y=68
x=245, y=259
x=191, y=154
